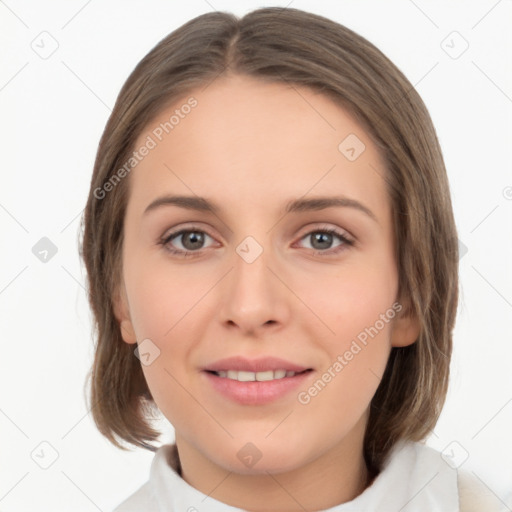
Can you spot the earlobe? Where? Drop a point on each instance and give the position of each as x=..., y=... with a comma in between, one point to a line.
x=127, y=332
x=406, y=330
x=122, y=315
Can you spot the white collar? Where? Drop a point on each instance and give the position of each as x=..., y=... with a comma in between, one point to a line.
x=414, y=478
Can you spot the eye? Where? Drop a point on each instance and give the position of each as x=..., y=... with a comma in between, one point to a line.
x=321, y=240
x=191, y=240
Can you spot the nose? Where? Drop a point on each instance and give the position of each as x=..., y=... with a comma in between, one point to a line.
x=254, y=298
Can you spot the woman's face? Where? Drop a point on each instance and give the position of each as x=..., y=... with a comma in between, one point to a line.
x=285, y=263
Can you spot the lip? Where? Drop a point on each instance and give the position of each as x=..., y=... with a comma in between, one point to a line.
x=254, y=365
x=255, y=392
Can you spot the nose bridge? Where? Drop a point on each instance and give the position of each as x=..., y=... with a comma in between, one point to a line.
x=253, y=295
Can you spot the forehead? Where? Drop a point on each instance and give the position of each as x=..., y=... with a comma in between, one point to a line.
x=245, y=141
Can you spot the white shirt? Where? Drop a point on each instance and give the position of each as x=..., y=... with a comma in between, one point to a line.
x=414, y=478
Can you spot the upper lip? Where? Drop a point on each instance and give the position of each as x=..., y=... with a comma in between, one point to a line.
x=254, y=365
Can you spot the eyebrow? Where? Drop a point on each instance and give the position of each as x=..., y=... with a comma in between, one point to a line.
x=295, y=206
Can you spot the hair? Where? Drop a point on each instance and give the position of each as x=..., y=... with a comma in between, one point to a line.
x=296, y=48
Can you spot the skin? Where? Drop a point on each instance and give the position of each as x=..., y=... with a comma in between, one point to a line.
x=250, y=147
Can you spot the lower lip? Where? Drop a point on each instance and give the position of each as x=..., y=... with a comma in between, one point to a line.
x=256, y=392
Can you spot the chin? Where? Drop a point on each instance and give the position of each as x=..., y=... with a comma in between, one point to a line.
x=272, y=464
x=260, y=458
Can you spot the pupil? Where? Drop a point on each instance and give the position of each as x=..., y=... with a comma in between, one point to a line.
x=194, y=240
x=325, y=240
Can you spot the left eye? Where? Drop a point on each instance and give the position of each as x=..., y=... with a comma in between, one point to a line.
x=322, y=239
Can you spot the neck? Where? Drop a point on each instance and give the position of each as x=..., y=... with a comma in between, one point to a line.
x=335, y=477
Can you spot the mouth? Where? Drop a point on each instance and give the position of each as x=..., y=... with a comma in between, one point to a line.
x=263, y=376
x=257, y=381
x=247, y=388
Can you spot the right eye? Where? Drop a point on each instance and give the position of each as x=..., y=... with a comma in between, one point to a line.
x=190, y=239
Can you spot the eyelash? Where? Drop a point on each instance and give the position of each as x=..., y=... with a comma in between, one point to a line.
x=164, y=241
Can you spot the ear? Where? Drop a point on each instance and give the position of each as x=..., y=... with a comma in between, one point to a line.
x=406, y=329
x=122, y=314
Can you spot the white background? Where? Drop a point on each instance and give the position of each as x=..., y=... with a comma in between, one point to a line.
x=53, y=112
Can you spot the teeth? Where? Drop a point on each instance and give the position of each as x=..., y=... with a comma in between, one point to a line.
x=243, y=376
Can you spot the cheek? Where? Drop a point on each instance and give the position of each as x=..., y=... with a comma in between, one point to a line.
x=361, y=314
x=353, y=302
x=358, y=309
x=166, y=308
x=161, y=300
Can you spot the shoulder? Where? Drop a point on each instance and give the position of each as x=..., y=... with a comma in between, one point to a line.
x=474, y=495
x=141, y=500
x=163, y=478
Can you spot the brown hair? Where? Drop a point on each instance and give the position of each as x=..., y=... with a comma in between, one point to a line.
x=293, y=47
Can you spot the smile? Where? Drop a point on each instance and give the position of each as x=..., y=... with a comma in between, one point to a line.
x=256, y=388
x=245, y=376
